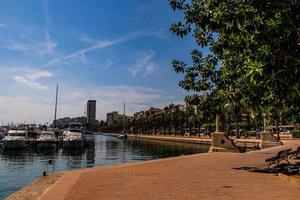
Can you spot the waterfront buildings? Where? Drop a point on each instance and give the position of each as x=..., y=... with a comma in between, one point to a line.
x=150, y=112
x=115, y=117
x=65, y=121
x=157, y=112
x=91, y=111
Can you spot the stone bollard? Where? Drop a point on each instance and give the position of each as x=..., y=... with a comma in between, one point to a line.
x=268, y=140
x=222, y=143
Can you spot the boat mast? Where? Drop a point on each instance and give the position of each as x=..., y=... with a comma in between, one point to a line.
x=55, y=112
x=124, y=118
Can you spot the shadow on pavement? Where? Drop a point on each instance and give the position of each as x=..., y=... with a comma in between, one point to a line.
x=288, y=169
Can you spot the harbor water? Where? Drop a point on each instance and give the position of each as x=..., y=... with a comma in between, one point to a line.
x=20, y=167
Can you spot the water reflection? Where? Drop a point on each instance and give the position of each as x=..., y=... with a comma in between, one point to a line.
x=160, y=149
x=18, y=158
x=19, y=167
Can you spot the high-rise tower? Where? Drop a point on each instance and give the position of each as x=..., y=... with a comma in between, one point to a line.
x=91, y=111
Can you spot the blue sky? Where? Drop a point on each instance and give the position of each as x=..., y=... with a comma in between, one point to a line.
x=110, y=51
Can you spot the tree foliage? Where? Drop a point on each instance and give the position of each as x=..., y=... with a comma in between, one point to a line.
x=248, y=55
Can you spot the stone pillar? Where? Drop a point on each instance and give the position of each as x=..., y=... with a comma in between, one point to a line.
x=220, y=141
x=218, y=123
x=268, y=140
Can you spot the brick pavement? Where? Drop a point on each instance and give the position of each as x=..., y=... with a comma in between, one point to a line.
x=202, y=176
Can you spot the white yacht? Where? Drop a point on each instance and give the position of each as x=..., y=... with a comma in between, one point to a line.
x=47, y=139
x=15, y=139
x=73, y=137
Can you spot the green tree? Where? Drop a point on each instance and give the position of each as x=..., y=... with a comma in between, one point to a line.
x=251, y=48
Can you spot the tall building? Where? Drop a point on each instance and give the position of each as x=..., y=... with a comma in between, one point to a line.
x=112, y=117
x=91, y=111
x=115, y=117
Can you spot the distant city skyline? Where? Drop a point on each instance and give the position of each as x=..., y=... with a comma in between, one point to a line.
x=108, y=51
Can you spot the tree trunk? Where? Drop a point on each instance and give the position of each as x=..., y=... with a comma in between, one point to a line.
x=218, y=123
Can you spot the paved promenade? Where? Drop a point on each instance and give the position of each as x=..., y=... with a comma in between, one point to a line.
x=202, y=176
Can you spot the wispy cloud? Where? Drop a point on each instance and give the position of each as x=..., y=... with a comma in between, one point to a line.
x=96, y=45
x=87, y=39
x=161, y=33
x=48, y=43
x=144, y=64
x=31, y=78
x=30, y=83
x=39, y=48
x=39, y=74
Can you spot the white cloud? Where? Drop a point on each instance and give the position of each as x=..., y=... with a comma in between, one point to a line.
x=20, y=110
x=39, y=106
x=30, y=83
x=39, y=74
x=87, y=39
x=29, y=77
x=13, y=45
x=39, y=48
x=49, y=45
x=95, y=45
x=150, y=68
x=144, y=64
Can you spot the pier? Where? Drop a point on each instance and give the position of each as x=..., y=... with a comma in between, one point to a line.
x=201, y=176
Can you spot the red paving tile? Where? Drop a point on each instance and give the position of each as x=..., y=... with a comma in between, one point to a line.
x=201, y=176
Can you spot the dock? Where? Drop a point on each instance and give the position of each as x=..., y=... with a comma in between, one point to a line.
x=208, y=176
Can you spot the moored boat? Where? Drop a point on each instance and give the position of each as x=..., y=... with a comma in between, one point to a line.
x=74, y=136
x=123, y=136
x=47, y=140
x=15, y=139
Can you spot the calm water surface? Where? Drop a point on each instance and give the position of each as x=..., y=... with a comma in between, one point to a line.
x=18, y=168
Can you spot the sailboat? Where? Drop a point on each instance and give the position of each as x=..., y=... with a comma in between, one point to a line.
x=124, y=134
x=47, y=139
